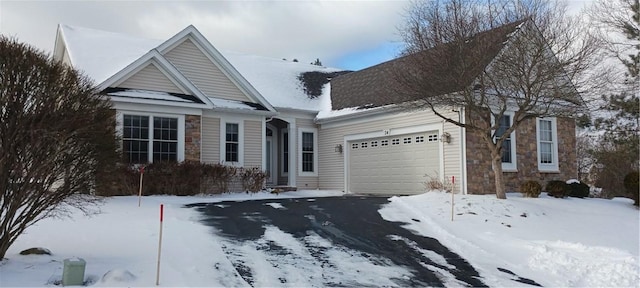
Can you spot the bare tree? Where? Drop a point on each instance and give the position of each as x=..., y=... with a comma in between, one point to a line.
x=56, y=139
x=617, y=23
x=489, y=58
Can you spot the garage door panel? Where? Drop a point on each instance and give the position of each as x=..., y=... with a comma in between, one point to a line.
x=396, y=168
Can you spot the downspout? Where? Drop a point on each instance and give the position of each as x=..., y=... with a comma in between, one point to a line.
x=443, y=177
x=463, y=153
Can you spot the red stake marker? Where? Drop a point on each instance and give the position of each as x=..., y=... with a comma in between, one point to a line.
x=159, y=244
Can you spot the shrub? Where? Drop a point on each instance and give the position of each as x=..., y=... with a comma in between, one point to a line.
x=253, y=179
x=530, y=189
x=557, y=188
x=435, y=183
x=217, y=177
x=172, y=178
x=578, y=189
x=632, y=186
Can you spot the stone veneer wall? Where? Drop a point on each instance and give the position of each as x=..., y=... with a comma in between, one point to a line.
x=480, y=176
x=192, y=137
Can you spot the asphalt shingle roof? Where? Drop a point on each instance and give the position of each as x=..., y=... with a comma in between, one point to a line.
x=378, y=85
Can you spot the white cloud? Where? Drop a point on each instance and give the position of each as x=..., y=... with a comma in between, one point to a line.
x=284, y=29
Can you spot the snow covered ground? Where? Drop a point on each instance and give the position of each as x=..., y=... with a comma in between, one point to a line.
x=556, y=242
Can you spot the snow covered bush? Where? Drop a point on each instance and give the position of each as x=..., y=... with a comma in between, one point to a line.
x=530, y=189
x=557, y=188
x=578, y=189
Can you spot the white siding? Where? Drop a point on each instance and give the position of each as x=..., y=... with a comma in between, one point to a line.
x=210, y=140
x=203, y=73
x=331, y=169
x=150, y=78
x=252, y=143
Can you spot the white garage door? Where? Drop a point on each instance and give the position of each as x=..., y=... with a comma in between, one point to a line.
x=393, y=165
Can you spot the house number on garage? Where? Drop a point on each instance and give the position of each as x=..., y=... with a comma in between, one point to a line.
x=385, y=132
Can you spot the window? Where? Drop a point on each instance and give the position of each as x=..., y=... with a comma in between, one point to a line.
x=148, y=138
x=354, y=146
x=432, y=138
x=374, y=144
x=384, y=143
x=419, y=139
x=232, y=142
x=308, y=147
x=508, y=145
x=285, y=152
x=135, y=138
x=407, y=140
x=364, y=144
x=395, y=141
x=165, y=139
x=307, y=152
x=547, y=144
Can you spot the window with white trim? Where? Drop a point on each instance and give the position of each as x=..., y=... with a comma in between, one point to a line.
x=384, y=142
x=285, y=153
x=308, y=147
x=232, y=142
x=148, y=138
x=354, y=145
x=395, y=141
x=407, y=140
x=419, y=139
x=374, y=144
x=432, y=138
x=364, y=144
x=547, y=136
x=509, y=143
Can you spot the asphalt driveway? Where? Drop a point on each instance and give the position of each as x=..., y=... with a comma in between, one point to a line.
x=336, y=241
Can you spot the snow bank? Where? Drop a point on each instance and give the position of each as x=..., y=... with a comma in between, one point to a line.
x=555, y=242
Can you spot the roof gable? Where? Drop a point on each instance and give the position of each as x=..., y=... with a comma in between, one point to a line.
x=217, y=60
x=150, y=77
x=154, y=58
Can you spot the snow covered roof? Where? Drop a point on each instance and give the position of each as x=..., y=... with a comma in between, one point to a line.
x=102, y=54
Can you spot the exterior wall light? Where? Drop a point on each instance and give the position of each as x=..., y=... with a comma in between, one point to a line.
x=338, y=148
x=446, y=137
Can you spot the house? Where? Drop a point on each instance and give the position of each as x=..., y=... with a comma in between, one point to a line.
x=308, y=126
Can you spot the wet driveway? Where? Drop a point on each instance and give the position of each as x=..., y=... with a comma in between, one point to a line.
x=335, y=241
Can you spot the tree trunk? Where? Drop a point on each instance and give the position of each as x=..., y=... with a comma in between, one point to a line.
x=496, y=162
x=4, y=245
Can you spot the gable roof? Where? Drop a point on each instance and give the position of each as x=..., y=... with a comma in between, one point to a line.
x=272, y=82
x=374, y=86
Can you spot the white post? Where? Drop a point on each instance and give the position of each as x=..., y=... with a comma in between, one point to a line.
x=140, y=190
x=159, y=245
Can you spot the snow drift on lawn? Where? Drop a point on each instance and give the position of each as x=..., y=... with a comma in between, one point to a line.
x=556, y=242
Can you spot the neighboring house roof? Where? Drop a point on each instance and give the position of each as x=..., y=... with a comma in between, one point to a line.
x=102, y=55
x=374, y=86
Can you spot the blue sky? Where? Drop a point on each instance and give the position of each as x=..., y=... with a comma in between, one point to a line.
x=356, y=60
